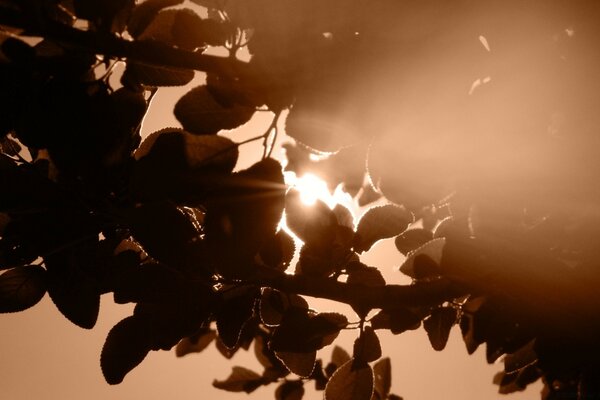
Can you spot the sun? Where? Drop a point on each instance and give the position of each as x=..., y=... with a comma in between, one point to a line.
x=313, y=188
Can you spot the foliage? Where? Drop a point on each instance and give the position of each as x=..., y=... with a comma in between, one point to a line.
x=475, y=120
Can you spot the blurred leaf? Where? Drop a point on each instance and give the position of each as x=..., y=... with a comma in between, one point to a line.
x=344, y=216
x=367, y=195
x=126, y=346
x=180, y=27
x=201, y=114
x=366, y=346
x=301, y=364
x=339, y=356
x=196, y=343
x=145, y=12
x=240, y=380
x=443, y=227
x=438, y=326
x=155, y=75
x=290, y=390
x=382, y=371
x=432, y=249
x=350, y=382
x=9, y=146
x=380, y=223
x=412, y=239
x=21, y=288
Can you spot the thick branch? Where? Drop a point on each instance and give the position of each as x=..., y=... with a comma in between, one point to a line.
x=388, y=297
x=142, y=51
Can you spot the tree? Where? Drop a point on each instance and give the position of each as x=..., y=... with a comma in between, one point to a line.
x=474, y=119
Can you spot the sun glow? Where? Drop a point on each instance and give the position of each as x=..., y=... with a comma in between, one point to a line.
x=313, y=188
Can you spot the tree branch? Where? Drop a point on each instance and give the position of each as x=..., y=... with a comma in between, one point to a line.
x=429, y=293
x=143, y=51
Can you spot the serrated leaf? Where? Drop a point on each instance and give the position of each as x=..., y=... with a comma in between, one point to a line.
x=274, y=304
x=382, y=370
x=195, y=344
x=21, y=288
x=234, y=313
x=350, y=382
x=443, y=227
x=432, y=249
x=412, y=239
x=301, y=364
x=360, y=274
x=290, y=390
x=520, y=359
x=125, y=347
x=201, y=114
x=145, y=12
x=240, y=380
x=155, y=75
x=438, y=326
x=367, y=347
x=344, y=216
x=380, y=223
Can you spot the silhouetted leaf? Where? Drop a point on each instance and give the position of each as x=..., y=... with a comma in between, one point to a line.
x=367, y=195
x=155, y=75
x=180, y=27
x=412, y=239
x=366, y=346
x=301, y=364
x=300, y=332
x=313, y=224
x=438, y=326
x=126, y=346
x=21, y=288
x=290, y=390
x=339, y=356
x=145, y=12
x=380, y=223
x=443, y=227
x=520, y=359
x=274, y=304
x=9, y=146
x=397, y=320
x=382, y=371
x=278, y=252
x=196, y=343
x=240, y=380
x=360, y=274
x=234, y=312
x=432, y=249
x=350, y=382
x=344, y=216
x=201, y=114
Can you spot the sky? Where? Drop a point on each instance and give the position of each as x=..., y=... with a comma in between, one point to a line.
x=44, y=356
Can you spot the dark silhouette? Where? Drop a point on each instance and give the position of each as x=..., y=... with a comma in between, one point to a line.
x=477, y=120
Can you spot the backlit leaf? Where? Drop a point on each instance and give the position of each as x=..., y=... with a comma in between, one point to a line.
x=412, y=239
x=350, y=382
x=290, y=390
x=432, y=249
x=196, y=343
x=126, y=347
x=155, y=75
x=366, y=346
x=313, y=224
x=438, y=326
x=380, y=223
x=397, y=320
x=145, y=12
x=21, y=288
x=382, y=371
x=201, y=114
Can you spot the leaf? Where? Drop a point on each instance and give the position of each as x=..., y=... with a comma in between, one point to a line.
x=360, y=274
x=274, y=304
x=22, y=287
x=397, y=320
x=339, y=356
x=201, y=114
x=177, y=165
x=301, y=364
x=278, y=252
x=432, y=249
x=313, y=224
x=180, y=27
x=234, y=313
x=344, y=216
x=145, y=12
x=300, y=332
x=438, y=326
x=520, y=359
x=240, y=380
x=125, y=348
x=155, y=75
x=196, y=343
x=350, y=383
x=382, y=370
x=380, y=223
x=290, y=390
x=412, y=239
x=367, y=347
